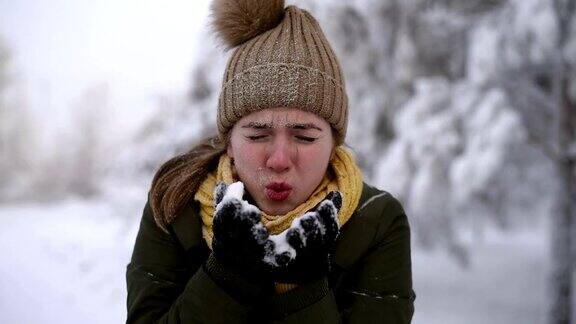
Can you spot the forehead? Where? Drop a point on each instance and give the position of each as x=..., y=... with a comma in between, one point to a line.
x=281, y=116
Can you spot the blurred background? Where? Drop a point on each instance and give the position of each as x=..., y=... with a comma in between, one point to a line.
x=463, y=109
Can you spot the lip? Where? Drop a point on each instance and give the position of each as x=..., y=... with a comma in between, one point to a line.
x=278, y=186
x=278, y=191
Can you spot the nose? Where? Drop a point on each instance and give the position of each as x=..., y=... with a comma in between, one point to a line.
x=281, y=155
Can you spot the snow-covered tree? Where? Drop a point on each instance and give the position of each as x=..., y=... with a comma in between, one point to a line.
x=16, y=131
x=179, y=121
x=77, y=156
x=89, y=115
x=538, y=79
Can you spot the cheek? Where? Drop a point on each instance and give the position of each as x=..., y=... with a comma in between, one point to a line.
x=245, y=155
x=248, y=162
x=316, y=161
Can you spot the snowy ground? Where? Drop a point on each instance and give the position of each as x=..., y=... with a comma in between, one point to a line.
x=65, y=263
x=506, y=282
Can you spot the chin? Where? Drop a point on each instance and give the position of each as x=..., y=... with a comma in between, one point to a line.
x=278, y=210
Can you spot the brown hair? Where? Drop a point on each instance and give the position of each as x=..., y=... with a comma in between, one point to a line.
x=179, y=178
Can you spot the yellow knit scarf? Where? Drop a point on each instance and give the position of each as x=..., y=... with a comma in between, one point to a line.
x=345, y=177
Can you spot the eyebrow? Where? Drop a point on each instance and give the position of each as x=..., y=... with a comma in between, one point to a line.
x=298, y=126
x=258, y=125
x=303, y=126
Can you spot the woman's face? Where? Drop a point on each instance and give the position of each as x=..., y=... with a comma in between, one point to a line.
x=281, y=155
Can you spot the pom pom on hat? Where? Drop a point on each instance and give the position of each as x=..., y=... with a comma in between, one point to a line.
x=237, y=21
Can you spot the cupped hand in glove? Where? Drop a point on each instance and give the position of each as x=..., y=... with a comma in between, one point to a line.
x=240, y=240
x=301, y=253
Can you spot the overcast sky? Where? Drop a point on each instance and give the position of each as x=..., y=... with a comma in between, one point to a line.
x=139, y=47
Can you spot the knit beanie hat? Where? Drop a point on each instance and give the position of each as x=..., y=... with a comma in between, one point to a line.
x=280, y=58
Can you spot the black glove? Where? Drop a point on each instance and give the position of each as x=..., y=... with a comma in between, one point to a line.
x=312, y=237
x=239, y=245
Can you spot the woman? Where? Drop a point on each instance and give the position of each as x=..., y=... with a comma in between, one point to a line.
x=270, y=221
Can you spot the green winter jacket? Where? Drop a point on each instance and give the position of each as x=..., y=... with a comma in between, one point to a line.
x=370, y=282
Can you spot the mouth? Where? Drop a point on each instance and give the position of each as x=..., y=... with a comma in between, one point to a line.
x=278, y=191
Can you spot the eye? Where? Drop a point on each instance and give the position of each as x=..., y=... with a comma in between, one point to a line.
x=306, y=139
x=256, y=137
